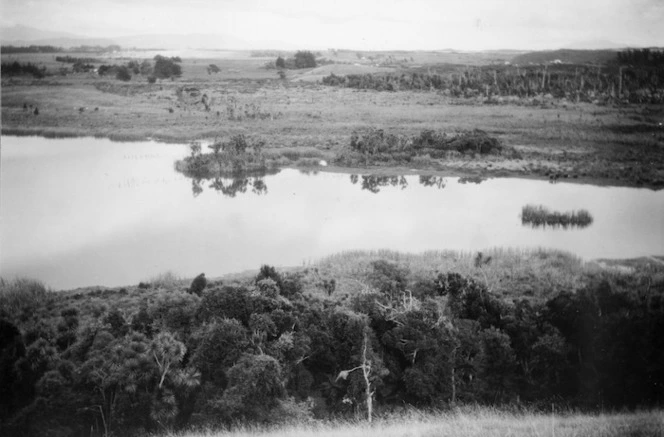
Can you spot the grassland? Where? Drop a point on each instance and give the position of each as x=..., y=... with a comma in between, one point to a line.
x=617, y=145
x=471, y=422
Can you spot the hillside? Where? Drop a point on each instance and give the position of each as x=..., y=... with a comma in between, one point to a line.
x=566, y=56
x=360, y=334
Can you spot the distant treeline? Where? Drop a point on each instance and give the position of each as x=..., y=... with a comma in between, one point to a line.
x=75, y=60
x=643, y=84
x=52, y=49
x=17, y=69
x=643, y=57
x=30, y=49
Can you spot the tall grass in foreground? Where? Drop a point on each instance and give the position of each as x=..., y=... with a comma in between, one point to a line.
x=478, y=422
x=21, y=294
x=537, y=216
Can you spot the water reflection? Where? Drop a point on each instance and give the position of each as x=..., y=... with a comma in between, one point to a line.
x=374, y=183
x=232, y=185
x=472, y=180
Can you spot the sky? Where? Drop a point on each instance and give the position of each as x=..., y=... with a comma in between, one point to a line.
x=359, y=24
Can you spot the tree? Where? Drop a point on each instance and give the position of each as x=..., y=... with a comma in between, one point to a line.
x=497, y=364
x=281, y=62
x=305, y=59
x=166, y=67
x=255, y=386
x=365, y=367
x=198, y=284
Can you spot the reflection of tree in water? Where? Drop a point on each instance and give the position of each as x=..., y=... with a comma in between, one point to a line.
x=472, y=180
x=433, y=181
x=232, y=185
x=374, y=183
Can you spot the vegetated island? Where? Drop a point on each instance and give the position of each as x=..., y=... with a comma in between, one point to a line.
x=541, y=216
x=447, y=342
x=561, y=117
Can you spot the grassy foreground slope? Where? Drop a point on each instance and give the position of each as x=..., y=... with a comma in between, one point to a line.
x=471, y=422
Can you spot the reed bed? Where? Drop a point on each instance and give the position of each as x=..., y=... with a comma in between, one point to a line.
x=475, y=422
x=539, y=216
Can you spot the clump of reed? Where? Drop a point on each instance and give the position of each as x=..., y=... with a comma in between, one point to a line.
x=540, y=216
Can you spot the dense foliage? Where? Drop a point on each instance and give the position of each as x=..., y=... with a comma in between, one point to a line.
x=639, y=81
x=643, y=57
x=17, y=69
x=272, y=348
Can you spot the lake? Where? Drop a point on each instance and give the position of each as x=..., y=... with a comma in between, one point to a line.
x=82, y=212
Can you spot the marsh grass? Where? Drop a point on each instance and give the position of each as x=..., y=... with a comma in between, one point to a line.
x=540, y=216
x=467, y=422
x=511, y=272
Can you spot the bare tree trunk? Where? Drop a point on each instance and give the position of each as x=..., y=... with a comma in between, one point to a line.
x=620, y=70
x=366, y=371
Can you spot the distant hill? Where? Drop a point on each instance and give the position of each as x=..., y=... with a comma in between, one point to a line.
x=567, y=56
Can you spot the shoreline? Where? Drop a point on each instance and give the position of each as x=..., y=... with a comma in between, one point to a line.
x=489, y=168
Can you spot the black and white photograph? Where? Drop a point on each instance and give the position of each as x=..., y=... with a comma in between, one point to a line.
x=353, y=218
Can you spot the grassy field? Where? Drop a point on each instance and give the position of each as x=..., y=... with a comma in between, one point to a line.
x=477, y=422
x=554, y=138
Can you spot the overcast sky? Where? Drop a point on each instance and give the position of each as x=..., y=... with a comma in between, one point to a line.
x=359, y=24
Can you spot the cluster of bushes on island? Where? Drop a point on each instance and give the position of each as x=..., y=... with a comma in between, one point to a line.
x=630, y=78
x=540, y=216
x=236, y=156
x=280, y=347
x=374, y=146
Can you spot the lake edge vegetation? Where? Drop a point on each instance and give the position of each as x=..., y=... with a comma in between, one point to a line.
x=540, y=216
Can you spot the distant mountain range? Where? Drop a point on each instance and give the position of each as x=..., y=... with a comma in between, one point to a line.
x=595, y=51
x=24, y=35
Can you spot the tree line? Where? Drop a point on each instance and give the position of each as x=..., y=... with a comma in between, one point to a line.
x=634, y=82
x=269, y=349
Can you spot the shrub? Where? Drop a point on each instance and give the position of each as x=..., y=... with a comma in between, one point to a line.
x=123, y=74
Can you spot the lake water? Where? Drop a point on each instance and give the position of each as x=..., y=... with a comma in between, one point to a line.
x=80, y=212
